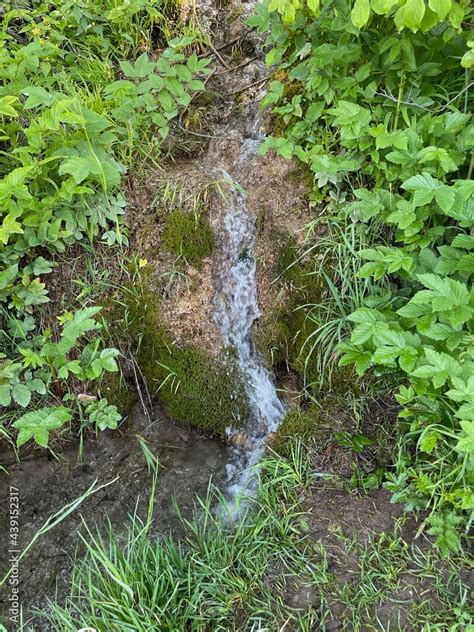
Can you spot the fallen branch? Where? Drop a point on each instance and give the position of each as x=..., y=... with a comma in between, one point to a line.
x=219, y=57
x=235, y=68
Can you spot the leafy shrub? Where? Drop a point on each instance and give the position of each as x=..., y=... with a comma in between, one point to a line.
x=102, y=414
x=379, y=112
x=68, y=126
x=33, y=364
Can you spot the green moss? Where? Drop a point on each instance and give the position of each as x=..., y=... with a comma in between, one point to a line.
x=201, y=390
x=189, y=235
x=285, y=330
x=194, y=387
x=299, y=424
x=114, y=388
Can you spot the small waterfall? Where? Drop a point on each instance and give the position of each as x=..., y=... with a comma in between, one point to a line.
x=235, y=312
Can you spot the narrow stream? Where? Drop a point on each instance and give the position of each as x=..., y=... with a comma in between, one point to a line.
x=235, y=312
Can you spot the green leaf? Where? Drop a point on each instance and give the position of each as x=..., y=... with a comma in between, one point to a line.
x=467, y=60
x=365, y=331
x=354, y=355
x=445, y=196
x=369, y=205
x=313, y=6
x=10, y=227
x=37, y=386
x=428, y=441
x=196, y=84
x=77, y=167
x=466, y=442
x=445, y=527
x=166, y=101
x=79, y=323
x=107, y=359
x=410, y=15
x=382, y=7
x=360, y=13
x=5, y=395
x=143, y=67
x=6, y=106
x=440, y=368
x=39, y=423
x=8, y=275
x=365, y=315
x=456, y=15
x=466, y=411
x=423, y=185
x=21, y=394
x=463, y=241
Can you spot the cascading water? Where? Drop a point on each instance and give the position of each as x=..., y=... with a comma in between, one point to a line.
x=235, y=312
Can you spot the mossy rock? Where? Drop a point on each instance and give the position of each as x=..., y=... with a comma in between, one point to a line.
x=194, y=387
x=189, y=235
x=198, y=389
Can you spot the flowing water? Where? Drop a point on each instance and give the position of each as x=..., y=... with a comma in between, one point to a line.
x=235, y=312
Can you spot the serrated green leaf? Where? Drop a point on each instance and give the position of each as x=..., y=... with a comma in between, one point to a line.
x=39, y=423
x=21, y=395
x=466, y=442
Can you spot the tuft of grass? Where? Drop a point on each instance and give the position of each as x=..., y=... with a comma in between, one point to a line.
x=336, y=260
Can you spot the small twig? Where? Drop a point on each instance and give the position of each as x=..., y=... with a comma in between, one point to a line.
x=139, y=390
x=383, y=93
x=150, y=402
x=458, y=95
x=387, y=95
x=219, y=57
x=234, y=68
x=250, y=85
x=234, y=41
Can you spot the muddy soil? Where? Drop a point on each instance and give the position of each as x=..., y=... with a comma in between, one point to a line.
x=341, y=522
x=188, y=460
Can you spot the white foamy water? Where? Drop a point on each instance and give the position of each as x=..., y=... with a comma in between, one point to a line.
x=235, y=311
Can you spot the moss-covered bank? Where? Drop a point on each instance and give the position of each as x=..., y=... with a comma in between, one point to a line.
x=285, y=330
x=193, y=386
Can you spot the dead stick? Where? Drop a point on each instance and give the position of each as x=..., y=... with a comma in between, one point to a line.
x=219, y=57
x=234, y=41
x=188, y=131
x=137, y=384
x=231, y=69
